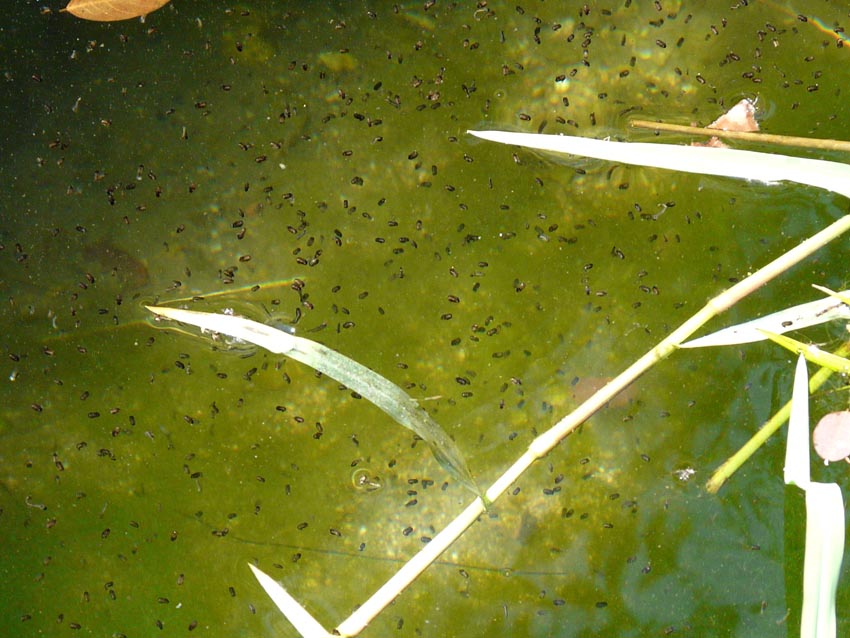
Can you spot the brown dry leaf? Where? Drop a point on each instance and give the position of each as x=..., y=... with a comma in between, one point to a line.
x=112, y=10
x=740, y=117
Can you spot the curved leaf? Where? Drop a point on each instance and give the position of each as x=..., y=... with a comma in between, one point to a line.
x=382, y=392
x=112, y=10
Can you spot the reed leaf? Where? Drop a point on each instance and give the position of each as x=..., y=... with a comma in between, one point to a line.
x=811, y=352
x=364, y=381
x=794, y=318
x=726, y=162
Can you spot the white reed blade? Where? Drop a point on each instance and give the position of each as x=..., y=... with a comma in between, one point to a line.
x=300, y=618
x=794, y=318
x=372, y=386
x=797, y=456
x=824, y=553
x=271, y=339
x=726, y=162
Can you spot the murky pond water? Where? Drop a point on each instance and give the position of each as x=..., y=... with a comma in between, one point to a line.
x=310, y=162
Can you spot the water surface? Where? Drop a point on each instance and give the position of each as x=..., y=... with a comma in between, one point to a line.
x=310, y=161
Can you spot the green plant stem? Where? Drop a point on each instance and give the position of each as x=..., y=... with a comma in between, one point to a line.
x=734, y=462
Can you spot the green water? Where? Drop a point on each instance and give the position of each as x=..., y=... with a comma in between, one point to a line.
x=213, y=149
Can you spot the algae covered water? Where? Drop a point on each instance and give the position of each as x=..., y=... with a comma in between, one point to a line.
x=308, y=164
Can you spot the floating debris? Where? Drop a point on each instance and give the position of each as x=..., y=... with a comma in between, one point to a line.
x=740, y=117
x=831, y=437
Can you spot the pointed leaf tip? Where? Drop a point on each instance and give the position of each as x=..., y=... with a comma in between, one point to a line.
x=294, y=612
x=797, y=464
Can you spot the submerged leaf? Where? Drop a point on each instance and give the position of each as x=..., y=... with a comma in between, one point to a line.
x=794, y=318
x=366, y=382
x=112, y=10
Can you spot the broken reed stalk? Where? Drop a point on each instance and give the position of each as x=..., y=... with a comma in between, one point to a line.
x=734, y=462
x=745, y=136
x=544, y=443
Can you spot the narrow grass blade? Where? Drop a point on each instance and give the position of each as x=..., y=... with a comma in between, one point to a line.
x=812, y=353
x=366, y=382
x=843, y=296
x=260, y=334
x=726, y=162
x=824, y=519
x=300, y=618
x=797, y=457
x=794, y=318
x=824, y=553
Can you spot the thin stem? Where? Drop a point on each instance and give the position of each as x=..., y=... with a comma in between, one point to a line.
x=746, y=136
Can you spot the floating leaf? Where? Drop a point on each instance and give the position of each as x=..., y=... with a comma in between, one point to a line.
x=727, y=162
x=112, y=10
x=366, y=382
x=740, y=117
x=794, y=318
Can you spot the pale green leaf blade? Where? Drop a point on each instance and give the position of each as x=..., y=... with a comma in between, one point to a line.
x=843, y=296
x=801, y=316
x=812, y=353
x=797, y=456
x=824, y=553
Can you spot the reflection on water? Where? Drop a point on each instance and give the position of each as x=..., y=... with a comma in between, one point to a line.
x=311, y=164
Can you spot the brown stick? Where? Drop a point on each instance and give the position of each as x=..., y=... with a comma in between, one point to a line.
x=781, y=140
